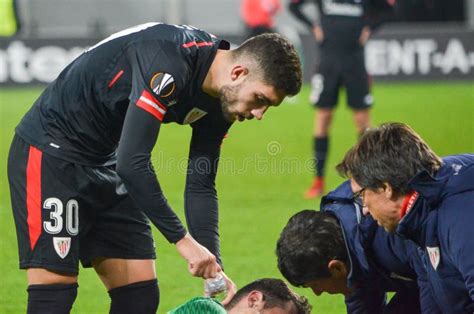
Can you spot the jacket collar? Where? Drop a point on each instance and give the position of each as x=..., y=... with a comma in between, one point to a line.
x=339, y=203
x=454, y=176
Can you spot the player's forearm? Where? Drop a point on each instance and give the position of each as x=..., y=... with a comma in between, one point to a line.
x=375, y=17
x=295, y=10
x=201, y=209
x=143, y=187
x=201, y=204
x=139, y=136
x=202, y=218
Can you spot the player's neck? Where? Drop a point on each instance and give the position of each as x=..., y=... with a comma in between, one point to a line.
x=216, y=76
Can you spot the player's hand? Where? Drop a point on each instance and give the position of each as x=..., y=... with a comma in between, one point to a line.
x=201, y=262
x=364, y=35
x=318, y=33
x=231, y=289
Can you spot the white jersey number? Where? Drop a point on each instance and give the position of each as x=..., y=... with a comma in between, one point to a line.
x=55, y=225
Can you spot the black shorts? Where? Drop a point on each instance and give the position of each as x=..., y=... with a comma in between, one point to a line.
x=341, y=69
x=65, y=212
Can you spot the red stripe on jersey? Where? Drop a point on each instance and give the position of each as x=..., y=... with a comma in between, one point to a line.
x=33, y=195
x=149, y=103
x=152, y=98
x=150, y=109
x=200, y=44
x=115, y=79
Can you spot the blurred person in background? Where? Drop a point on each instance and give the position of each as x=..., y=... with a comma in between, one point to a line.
x=82, y=184
x=264, y=296
x=429, y=200
x=343, y=28
x=429, y=10
x=258, y=16
x=9, y=21
x=338, y=250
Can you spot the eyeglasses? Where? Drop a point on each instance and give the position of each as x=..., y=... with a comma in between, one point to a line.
x=358, y=197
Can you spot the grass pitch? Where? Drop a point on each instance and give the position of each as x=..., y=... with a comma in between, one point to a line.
x=265, y=167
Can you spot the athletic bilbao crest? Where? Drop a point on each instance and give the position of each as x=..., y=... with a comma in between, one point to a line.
x=62, y=246
x=435, y=256
x=163, y=84
x=194, y=115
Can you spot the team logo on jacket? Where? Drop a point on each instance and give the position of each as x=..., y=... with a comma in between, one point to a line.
x=194, y=115
x=163, y=84
x=434, y=255
x=62, y=246
x=456, y=168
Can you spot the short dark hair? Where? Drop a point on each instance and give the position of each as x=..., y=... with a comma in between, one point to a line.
x=277, y=59
x=391, y=153
x=309, y=241
x=276, y=293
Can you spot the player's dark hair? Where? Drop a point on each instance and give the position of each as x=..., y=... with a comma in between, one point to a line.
x=278, y=61
x=276, y=293
x=391, y=153
x=309, y=241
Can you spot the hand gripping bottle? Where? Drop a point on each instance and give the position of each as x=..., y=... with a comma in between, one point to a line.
x=215, y=287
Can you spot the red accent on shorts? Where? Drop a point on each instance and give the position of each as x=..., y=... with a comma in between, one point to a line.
x=115, y=79
x=408, y=202
x=200, y=44
x=33, y=195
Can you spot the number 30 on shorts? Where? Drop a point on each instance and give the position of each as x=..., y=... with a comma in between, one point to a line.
x=71, y=216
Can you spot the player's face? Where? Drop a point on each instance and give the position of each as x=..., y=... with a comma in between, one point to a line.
x=329, y=285
x=381, y=204
x=248, y=99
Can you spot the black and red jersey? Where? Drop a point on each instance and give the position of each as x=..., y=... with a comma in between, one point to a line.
x=108, y=105
x=157, y=67
x=341, y=20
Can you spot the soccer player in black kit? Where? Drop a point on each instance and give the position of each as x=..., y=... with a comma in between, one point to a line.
x=341, y=32
x=82, y=185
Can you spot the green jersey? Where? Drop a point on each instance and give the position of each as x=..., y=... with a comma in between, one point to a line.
x=200, y=305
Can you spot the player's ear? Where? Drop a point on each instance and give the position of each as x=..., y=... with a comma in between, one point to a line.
x=337, y=269
x=388, y=190
x=255, y=300
x=238, y=71
x=355, y=186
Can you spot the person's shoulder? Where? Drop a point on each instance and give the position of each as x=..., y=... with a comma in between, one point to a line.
x=200, y=305
x=455, y=206
x=454, y=219
x=180, y=34
x=391, y=245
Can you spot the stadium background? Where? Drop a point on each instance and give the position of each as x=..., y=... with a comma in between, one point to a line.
x=423, y=70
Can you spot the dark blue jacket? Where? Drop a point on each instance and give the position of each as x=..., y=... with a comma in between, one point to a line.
x=379, y=262
x=441, y=222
